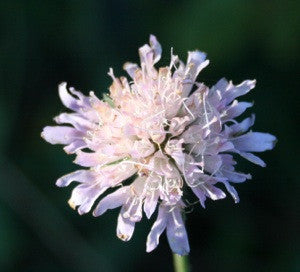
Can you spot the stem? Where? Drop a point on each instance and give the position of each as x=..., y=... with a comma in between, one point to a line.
x=181, y=263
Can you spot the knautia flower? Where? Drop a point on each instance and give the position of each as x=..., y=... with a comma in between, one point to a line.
x=165, y=131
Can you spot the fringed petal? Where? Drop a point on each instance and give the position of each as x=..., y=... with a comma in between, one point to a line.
x=112, y=201
x=84, y=196
x=92, y=159
x=232, y=191
x=130, y=68
x=254, y=142
x=82, y=176
x=252, y=158
x=156, y=47
x=125, y=228
x=157, y=229
x=75, y=146
x=240, y=128
x=232, y=91
x=150, y=204
x=68, y=100
x=195, y=63
x=176, y=233
x=76, y=120
x=60, y=134
x=235, y=109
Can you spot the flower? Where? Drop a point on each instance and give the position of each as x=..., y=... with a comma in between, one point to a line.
x=163, y=131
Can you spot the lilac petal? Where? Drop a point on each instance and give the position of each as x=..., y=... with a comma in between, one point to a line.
x=212, y=163
x=112, y=201
x=176, y=233
x=234, y=91
x=68, y=100
x=228, y=160
x=243, y=126
x=195, y=63
x=130, y=68
x=156, y=47
x=157, y=229
x=82, y=176
x=84, y=196
x=86, y=159
x=196, y=59
x=150, y=204
x=146, y=55
x=75, y=146
x=232, y=191
x=132, y=209
x=253, y=158
x=225, y=147
x=206, y=189
x=60, y=134
x=221, y=85
x=93, y=159
x=235, y=176
x=200, y=194
x=254, y=142
x=75, y=119
x=125, y=228
x=213, y=192
x=236, y=109
x=83, y=100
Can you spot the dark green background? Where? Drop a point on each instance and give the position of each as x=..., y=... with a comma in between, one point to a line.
x=46, y=42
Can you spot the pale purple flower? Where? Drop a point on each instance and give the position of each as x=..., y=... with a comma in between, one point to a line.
x=165, y=131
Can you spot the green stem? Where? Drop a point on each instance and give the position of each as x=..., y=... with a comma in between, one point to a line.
x=181, y=263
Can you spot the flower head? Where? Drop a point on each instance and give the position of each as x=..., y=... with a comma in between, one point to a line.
x=166, y=132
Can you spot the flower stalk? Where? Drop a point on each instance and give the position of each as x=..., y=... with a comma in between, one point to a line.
x=181, y=263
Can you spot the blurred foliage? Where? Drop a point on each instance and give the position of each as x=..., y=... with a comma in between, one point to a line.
x=46, y=42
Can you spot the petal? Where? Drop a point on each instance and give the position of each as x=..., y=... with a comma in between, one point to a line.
x=68, y=100
x=212, y=163
x=156, y=47
x=95, y=158
x=243, y=126
x=253, y=158
x=176, y=233
x=232, y=191
x=213, y=192
x=75, y=146
x=149, y=55
x=130, y=68
x=133, y=210
x=84, y=196
x=233, y=91
x=221, y=85
x=200, y=194
x=86, y=159
x=75, y=119
x=157, y=229
x=254, y=142
x=205, y=189
x=146, y=56
x=235, y=109
x=82, y=176
x=150, y=204
x=125, y=228
x=236, y=177
x=195, y=63
x=60, y=134
x=112, y=201
x=225, y=146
